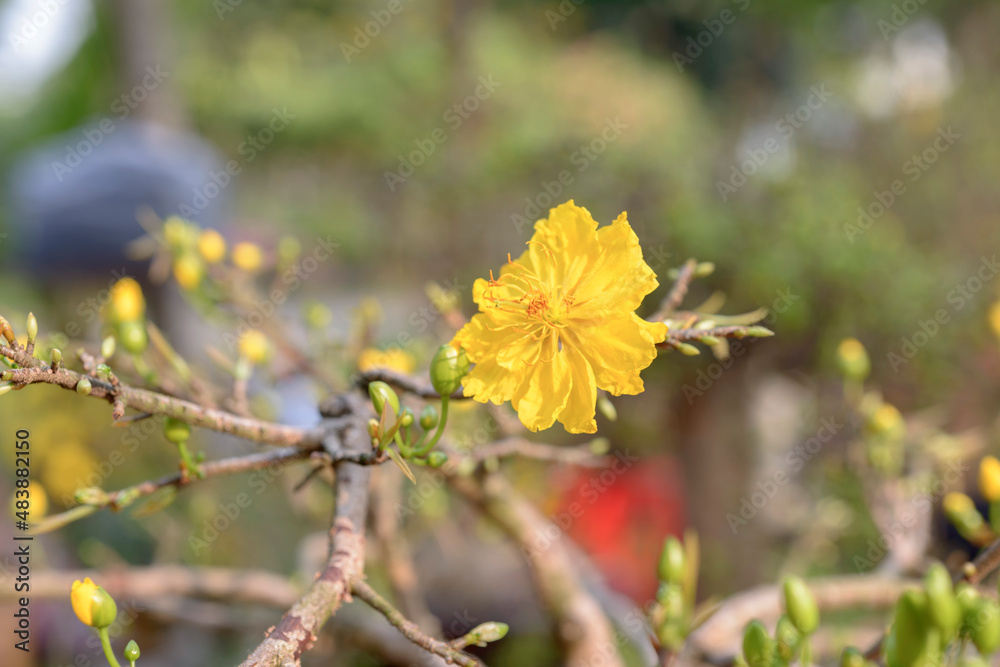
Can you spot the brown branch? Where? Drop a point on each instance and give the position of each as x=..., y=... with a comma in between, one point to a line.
x=402, y=381
x=409, y=628
x=583, y=629
x=296, y=631
x=161, y=404
x=677, y=292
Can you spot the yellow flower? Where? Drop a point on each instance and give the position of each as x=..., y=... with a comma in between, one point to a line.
x=247, y=256
x=394, y=359
x=994, y=318
x=92, y=604
x=126, y=300
x=989, y=478
x=188, y=271
x=212, y=246
x=560, y=322
x=254, y=346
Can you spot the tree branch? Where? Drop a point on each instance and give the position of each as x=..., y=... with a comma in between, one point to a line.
x=33, y=372
x=409, y=628
x=296, y=632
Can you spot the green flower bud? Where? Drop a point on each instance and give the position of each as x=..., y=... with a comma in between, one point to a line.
x=133, y=336
x=32, y=327
x=56, y=355
x=91, y=495
x=428, y=417
x=800, y=605
x=489, y=632
x=176, y=431
x=944, y=611
x=912, y=628
x=6, y=376
x=985, y=626
x=671, y=599
x=381, y=393
x=757, y=331
x=5, y=388
x=131, y=651
x=373, y=428
x=448, y=367
x=688, y=349
x=704, y=269
x=852, y=657
x=607, y=408
x=671, y=567
x=758, y=647
x=83, y=387
x=108, y=346
x=788, y=638
x=103, y=371
x=436, y=459
x=407, y=417
x=7, y=331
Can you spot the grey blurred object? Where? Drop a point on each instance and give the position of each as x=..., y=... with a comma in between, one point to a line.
x=74, y=201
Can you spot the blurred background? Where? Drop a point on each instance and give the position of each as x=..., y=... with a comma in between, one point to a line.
x=835, y=160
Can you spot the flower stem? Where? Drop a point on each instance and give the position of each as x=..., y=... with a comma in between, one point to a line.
x=440, y=429
x=106, y=644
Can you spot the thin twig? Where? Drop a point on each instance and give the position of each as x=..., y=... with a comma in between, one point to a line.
x=161, y=404
x=675, y=296
x=514, y=446
x=402, y=381
x=409, y=628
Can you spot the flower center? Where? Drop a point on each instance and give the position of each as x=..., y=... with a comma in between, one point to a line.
x=526, y=293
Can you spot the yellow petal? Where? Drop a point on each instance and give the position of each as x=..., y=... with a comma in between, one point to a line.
x=578, y=414
x=618, y=349
x=543, y=395
x=489, y=381
x=619, y=278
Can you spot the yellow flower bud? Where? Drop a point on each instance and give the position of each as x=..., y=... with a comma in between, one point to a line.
x=248, y=256
x=989, y=478
x=254, y=346
x=92, y=604
x=188, y=271
x=127, y=303
x=852, y=358
x=994, y=318
x=212, y=246
x=956, y=503
x=887, y=421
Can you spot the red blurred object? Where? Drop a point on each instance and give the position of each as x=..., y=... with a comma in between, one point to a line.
x=621, y=516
